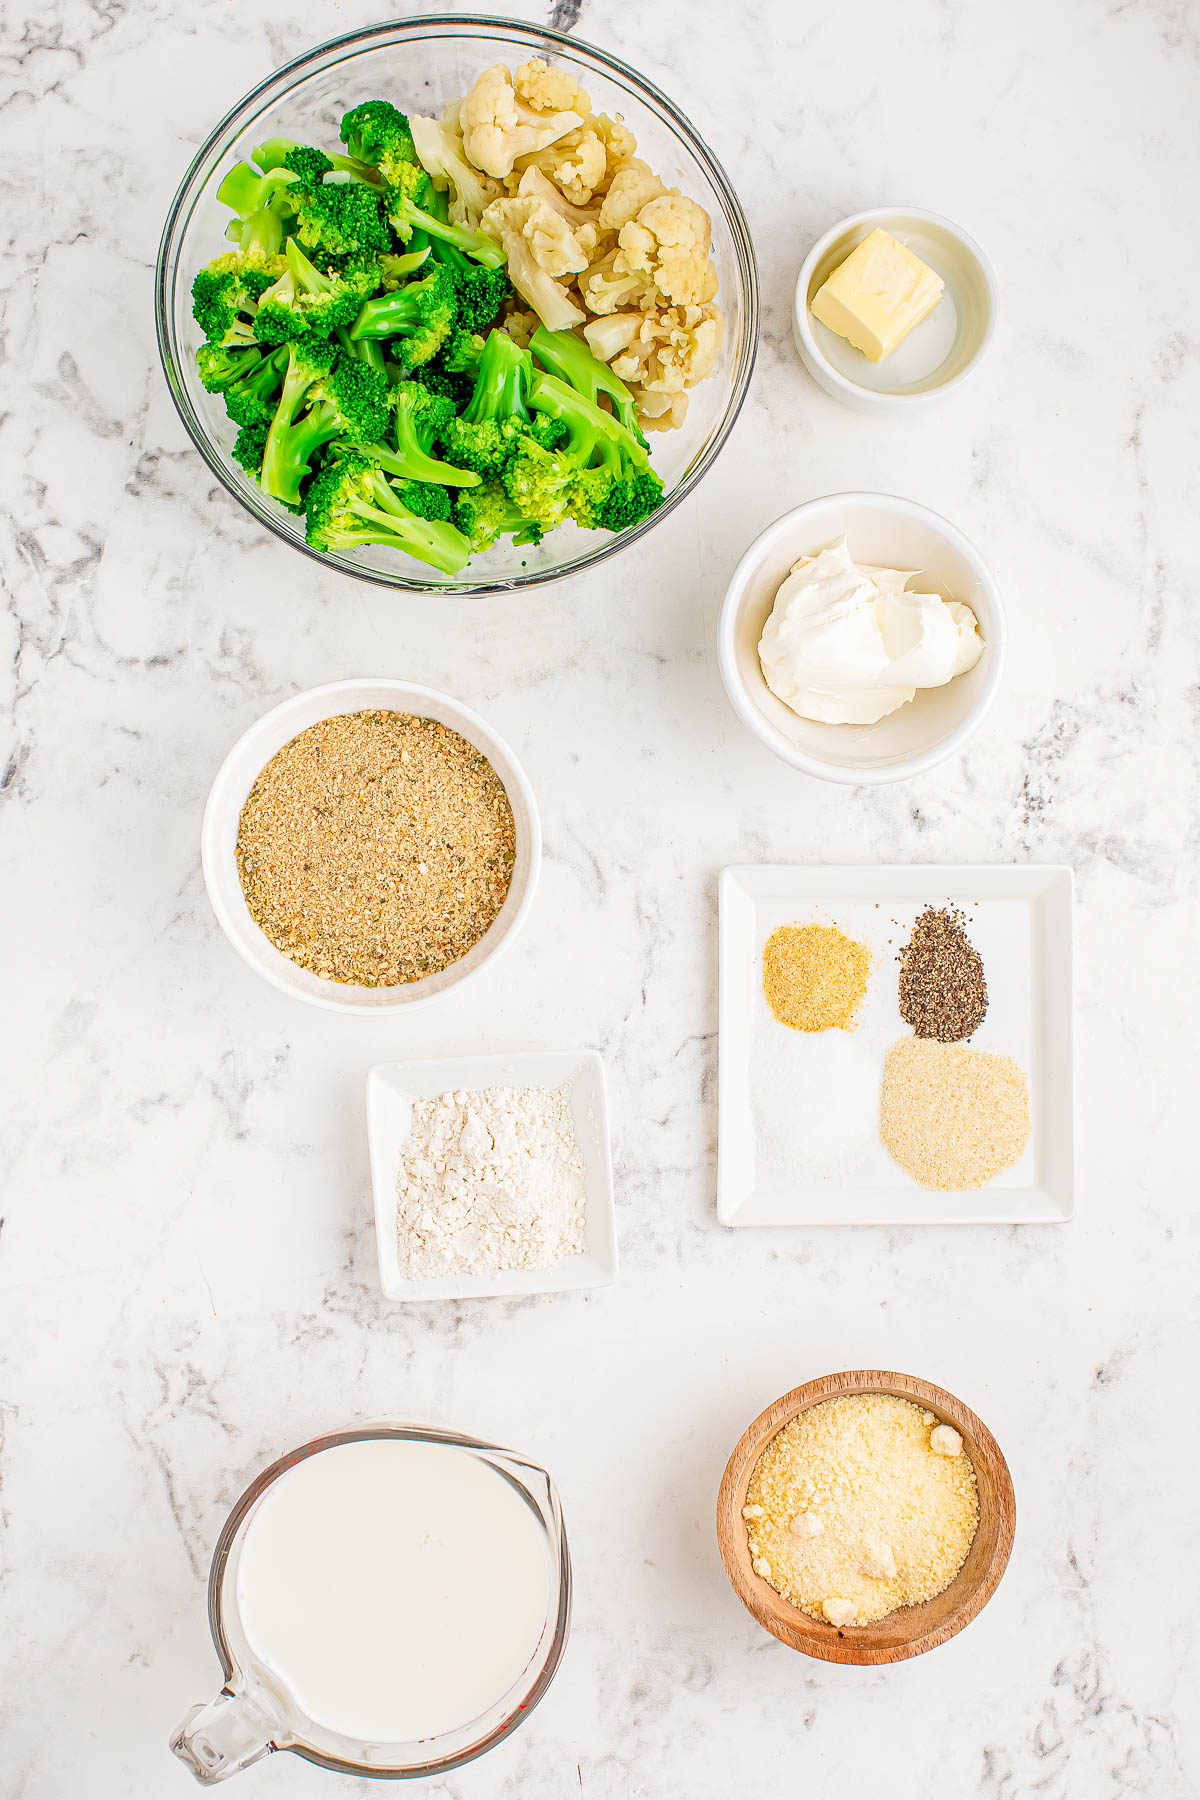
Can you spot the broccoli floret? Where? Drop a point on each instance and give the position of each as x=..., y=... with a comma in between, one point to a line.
x=409, y=197
x=294, y=438
x=602, y=501
x=452, y=371
x=351, y=502
x=362, y=349
x=541, y=483
x=396, y=270
x=436, y=203
x=487, y=513
x=480, y=290
x=461, y=353
x=595, y=439
x=569, y=358
x=431, y=375
x=307, y=299
x=244, y=190
x=261, y=203
x=377, y=133
x=425, y=498
x=309, y=165
x=502, y=381
x=335, y=212
x=224, y=367
x=250, y=444
x=550, y=433
x=305, y=161
x=420, y=417
x=487, y=447
x=225, y=296
x=601, y=476
x=630, y=499
x=350, y=404
x=420, y=315
x=497, y=416
x=342, y=218
x=480, y=294
x=359, y=396
x=249, y=378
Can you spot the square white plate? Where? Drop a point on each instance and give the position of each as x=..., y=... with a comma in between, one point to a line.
x=799, y=1136
x=391, y=1090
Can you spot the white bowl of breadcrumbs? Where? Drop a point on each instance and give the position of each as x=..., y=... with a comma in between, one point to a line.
x=369, y=845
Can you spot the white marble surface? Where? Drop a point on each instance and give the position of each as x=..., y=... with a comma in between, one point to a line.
x=187, y=1269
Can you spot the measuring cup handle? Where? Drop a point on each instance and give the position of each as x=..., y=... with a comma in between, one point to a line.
x=225, y=1736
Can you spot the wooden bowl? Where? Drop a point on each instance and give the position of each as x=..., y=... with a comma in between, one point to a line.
x=910, y=1629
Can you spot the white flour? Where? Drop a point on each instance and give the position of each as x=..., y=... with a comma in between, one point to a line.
x=489, y=1180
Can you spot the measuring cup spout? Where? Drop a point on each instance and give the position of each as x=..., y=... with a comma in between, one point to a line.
x=225, y=1736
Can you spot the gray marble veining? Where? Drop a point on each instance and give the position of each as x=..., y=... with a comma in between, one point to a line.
x=187, y=1273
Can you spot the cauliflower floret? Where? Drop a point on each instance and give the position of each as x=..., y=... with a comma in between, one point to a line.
x=439, y=145
x=539, y=247
x=631, y=188
x=608, y=336
x=519, y=325
x=660, y=412
x=619, y=142
x=609, y=287
x=576, y=164
x=550, y=90
x=668, y=244
x=672, y=350
x=497, y=127
x=533, y=185
x=549, y=236
x=581, y=169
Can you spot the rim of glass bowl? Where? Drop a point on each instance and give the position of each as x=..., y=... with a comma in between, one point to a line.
x=406, y=31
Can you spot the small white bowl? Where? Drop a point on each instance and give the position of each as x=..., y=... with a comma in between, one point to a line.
x=939, y=353
x=391, y=1090
x=237, y=775
x=896, y=534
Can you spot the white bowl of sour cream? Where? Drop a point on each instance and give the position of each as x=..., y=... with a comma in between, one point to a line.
x=888, y=534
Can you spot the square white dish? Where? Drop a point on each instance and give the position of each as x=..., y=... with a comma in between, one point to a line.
x=391, y=1090
x=798, y=1113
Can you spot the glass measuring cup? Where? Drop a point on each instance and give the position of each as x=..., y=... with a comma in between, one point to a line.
x=254, y=1714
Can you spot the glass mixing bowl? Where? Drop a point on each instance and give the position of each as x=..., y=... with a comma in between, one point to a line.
x=421, y=64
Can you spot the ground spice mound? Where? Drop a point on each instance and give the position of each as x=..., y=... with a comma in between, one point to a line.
x=852, y=1511
x=951, y=1116
x=376, y=847
x=943, y=993
x=814, y=976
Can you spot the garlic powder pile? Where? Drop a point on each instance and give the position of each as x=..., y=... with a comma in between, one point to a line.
x=490, y=1179
x=861, y=1504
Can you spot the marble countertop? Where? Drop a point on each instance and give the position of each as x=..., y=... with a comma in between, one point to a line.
x=187, y=1257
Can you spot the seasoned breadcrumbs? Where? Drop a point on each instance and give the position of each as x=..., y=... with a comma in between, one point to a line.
x=951, y=1116
x=814, y=976
x=376, y=847
x=861, y=1504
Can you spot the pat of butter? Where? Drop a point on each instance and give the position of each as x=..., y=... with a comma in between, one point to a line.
x=876, y=297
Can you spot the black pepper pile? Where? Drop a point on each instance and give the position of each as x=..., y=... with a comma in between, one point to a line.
x=943, y=993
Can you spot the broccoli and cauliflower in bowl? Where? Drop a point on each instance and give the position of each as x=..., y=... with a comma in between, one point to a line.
x=455, y=330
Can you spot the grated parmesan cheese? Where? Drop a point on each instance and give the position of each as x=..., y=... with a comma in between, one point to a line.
x=897, y=1512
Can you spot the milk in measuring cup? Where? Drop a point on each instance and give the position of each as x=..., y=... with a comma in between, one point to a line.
x=394, y=1589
